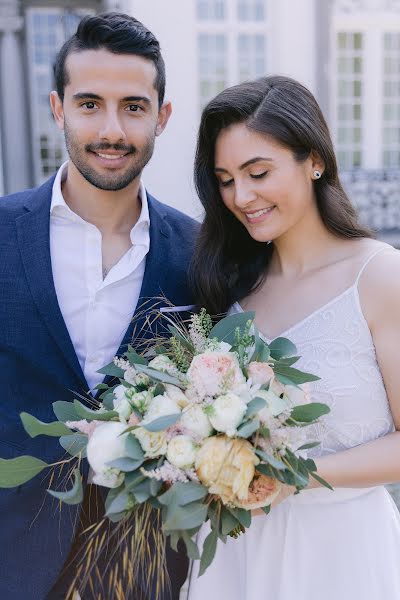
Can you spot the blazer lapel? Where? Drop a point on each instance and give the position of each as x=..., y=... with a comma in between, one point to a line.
x=33, y=238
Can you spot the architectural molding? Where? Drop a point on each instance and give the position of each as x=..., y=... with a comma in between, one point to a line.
x=366, y=6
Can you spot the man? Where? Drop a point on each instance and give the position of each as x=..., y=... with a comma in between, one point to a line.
x=79, y=256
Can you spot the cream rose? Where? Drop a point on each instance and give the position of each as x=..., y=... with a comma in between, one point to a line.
x=260, y=373
x=227, y=413
x=226, y=467
x=105, y=445
x=153, y=443
x=176, y=395
x=181, y=451
x=196, y=421
x=161, y=406
x=214, y=373
x=122, y=403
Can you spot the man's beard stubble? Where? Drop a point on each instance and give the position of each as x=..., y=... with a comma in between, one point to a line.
x=113, y=181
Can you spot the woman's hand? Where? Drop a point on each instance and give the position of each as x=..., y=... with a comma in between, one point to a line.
x=286, y=491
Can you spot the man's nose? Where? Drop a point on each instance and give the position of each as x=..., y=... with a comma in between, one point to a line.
x=112, y=130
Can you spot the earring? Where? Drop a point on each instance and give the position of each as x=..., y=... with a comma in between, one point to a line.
x=317, y=174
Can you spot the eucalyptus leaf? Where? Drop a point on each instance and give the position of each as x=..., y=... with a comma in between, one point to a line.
x=125, y=464
x=72, y=496
x=112, y=370
x=228, y=521
x=307, y=413
x=142, y=491
x=266, y=509
x=281, y=348
x=242, y=515
x=209, y=549
x=183, y=493
x=135, y=359
x=271, y=460
x=186, y=517
x=288, y=361
x=74, y=444
x=254, y=406
x=162, y=422
x=16, y=471
x=34, y=427
x=121, y=503
x=65, y=411
x=158, y=375
x=248, y=428
x=94, y=415
x=224, y=330
x=107, y=400
x=309, y=445
x=133, y=448
x=183, y=340
x=294, y=375
x=322, y=481
x=191, y=548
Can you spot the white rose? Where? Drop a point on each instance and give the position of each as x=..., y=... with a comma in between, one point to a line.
x=130, y=375
x=176, y=394
x=227, y=413
x=161, y=406
x=153, y=443
x=164, y=364
x=181, y=452
x=121, y=403
x=196, y=421
x=105, y=445
x=141, y=400
x=275, y=404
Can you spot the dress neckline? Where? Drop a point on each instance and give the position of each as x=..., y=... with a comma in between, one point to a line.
x=307, y=317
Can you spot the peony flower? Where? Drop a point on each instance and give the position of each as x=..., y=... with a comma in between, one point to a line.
x=227, y=413
x=176, y=395
x=161, y=406
x=196, y=421
x=214, y=373
x=181, y=451
x=153, y=443
x=105, y=445
x=164, y=364
x=226, y=467
x=260, y=372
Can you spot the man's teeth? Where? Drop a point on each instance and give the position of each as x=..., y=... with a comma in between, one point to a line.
x=110, y=156
x=259, y=212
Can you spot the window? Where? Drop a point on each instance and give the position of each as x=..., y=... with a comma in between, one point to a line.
x=251, y=56
x=251, y=10
x=211, y=10
x=349, y=99
x=212, y=65
x=391, y=101
x=46, y=30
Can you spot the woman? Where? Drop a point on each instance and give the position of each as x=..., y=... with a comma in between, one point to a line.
x=266, y=172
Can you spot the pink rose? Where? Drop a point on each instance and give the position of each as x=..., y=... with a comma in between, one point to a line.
x=260, y=372
x=215, y=373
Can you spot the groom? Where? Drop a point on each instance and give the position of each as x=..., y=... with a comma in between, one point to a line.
x=79, y=256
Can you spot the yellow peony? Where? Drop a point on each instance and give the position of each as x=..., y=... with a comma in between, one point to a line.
x=226, y=467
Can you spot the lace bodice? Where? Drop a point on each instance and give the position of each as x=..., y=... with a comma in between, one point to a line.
x=335, y=343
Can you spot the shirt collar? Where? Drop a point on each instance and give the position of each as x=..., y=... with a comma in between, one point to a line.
x=57, y=200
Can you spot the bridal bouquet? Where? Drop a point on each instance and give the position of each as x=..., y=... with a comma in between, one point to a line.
x=206, y=425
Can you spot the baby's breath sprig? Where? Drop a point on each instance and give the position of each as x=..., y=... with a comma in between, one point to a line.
x=199, y=329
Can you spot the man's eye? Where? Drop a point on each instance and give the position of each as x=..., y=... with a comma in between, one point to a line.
x=89, y=105
x=134, y=107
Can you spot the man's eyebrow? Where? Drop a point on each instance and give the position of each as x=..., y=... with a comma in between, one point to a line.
x=90, y=96
x=249, y=162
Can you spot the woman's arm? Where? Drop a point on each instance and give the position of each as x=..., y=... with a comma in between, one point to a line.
x=376, y=462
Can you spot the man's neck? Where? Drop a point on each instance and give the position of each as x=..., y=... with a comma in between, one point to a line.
x=110, y=211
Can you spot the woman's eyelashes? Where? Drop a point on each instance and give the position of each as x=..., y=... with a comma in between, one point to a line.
x=227, y=182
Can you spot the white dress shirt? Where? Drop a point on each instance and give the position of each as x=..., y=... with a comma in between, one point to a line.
x=96, y=312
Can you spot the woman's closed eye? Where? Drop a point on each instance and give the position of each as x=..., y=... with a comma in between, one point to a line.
x=258, y=175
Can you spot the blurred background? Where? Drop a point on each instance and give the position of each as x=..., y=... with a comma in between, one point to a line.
x=346, y=51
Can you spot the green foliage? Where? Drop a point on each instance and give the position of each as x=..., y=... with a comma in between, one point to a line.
x=308, y=413
x=162, y=422
x=34, y=427
x=282, y=348
x=225, y=330
x=72, y=496
x=16, y=471
x=74, y=444
x=94, y=415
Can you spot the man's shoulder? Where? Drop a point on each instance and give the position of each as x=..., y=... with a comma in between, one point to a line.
x=177, y=220
x=13, y=205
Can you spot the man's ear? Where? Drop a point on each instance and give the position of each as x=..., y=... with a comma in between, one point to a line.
x=57, y=109
x=163, y=115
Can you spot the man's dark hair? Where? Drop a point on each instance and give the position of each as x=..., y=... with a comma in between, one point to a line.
x=117, y=33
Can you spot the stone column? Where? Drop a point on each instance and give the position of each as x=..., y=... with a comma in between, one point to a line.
x=14, y=104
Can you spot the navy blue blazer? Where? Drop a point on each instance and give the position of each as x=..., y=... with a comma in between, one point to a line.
x=38, y=365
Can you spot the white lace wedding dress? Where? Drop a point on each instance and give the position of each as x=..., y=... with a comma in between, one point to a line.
x=319, y=544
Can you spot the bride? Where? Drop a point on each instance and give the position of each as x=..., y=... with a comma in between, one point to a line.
x=266, y=172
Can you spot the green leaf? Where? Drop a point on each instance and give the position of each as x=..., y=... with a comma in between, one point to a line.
x=209, y=549
x=94, y=415
x=254, y=406
x=185, y=517
x=183, y=493
x=289, y=361
x=107, y=400
x=271, y=460
x=162, y=422
x=65, y=411
x=184, y=341
x=248, y=428
x=308, y=446
x=242, y=515
x=74, y=444
x=294, y=375
x=266, y=509
x=322, y=481
x=112, y=370
x=120, y=503
x=125, y=464
x=282, y=348
x=191, y=548
x=261, y=349
x=72, y=496
x=16, y=471
x=307, y=413
x=228, y=521
x=142, y=490
x=134, y=358
x=225, y=329
x=133, y=448
x=34, y=427
x=158, y=375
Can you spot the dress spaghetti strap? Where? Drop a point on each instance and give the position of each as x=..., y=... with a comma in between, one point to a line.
x=368, y=260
